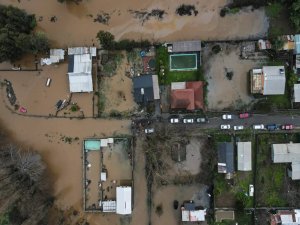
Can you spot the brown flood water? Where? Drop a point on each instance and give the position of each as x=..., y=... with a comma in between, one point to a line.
x=75, y=23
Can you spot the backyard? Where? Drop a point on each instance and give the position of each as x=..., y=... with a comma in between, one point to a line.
x=167, y=77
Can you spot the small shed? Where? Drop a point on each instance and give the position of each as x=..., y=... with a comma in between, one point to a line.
x=124, y=200
x=103, y=176
x=104, y=142
x=108, y=206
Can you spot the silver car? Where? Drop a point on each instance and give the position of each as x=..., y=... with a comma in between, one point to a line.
x=188, y=120
x=227, y=117
x=258, y=127
x=239, y=127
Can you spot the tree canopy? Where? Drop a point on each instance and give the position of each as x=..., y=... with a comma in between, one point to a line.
x=17, y=36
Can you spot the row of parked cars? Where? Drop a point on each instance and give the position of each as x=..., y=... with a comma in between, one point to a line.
x=177, y=119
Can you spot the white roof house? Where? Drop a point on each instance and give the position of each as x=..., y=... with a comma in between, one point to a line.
x=80, y=73
x=274, y=80
x=244, y=156
x=288, y=153
x=296, y=92
x=123, y=200
x=56, y=55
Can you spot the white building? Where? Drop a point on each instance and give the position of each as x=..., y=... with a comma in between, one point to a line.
x=123, y=200
x=244, y=153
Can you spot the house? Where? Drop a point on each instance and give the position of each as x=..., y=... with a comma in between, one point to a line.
x=288, y=153
x=146, y=88
x=80, y=69
x=285, y=217
x=184, y=46
x=226, y=159
x=288, y=42
x=187, y=95
x=123, y=200
x=189, y=213
x=244, y=156
x=296, y=93
x=56, y=55
x=270, y=80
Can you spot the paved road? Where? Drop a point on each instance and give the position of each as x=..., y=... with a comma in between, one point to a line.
x=215, y=122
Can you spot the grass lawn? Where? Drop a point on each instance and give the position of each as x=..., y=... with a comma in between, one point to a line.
x=166, y=76
x=270, y=177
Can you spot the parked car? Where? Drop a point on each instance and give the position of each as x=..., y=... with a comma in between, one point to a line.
x=188, y=120
x=225, y=127
x=174, y=119
x=201, y=120
x=251, y=190
x=244, y=115
x=258, y=127
x=287, y=127
x=227, y=117
x=239, y=127
x=271, y=127
x=149, y=130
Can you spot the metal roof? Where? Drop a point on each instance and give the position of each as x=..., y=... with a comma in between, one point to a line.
x=296, y=92
x=146, y=88
x=274, y=80
x=186, y=46
x=244, y=156
x=297, y=44
x=295, y=171
x=124, y=200
x=226, y=155
x=284, y=153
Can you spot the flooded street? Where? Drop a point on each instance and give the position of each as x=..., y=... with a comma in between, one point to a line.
x=207, y=25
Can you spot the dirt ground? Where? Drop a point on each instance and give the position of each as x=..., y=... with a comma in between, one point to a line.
x=206, y=25
x=222, y=92
x=32, y=93
x=166, y=196
x=119, y=90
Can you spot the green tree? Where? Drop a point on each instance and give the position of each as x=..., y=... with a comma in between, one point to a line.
x=106, y=39
x=17, y=36
x=295, y=14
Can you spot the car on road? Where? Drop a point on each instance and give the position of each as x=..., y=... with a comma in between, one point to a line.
x=201, y=120
x=258, y=127
x=225, y=127
x=188, y=120
x=244, y=115
x=251, y=190
x=174, y=119
x=239, y=127
x=271, y=127
x=227, y=117
x=149, y=130
x=287, y=127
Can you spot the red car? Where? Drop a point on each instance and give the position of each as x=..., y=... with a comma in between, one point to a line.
x=287, y=127
x=244, y=115
x=22, y=110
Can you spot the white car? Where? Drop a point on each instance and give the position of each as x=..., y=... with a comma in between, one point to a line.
x=251, y=190
x=174, y=120
x=258, y=127
x=149, y=130
x=227, y=117
x=225, y=127
x=239, y=127
x=190, y=120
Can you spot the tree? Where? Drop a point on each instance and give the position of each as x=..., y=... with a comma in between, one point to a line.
x=295, y=14
x=106, y=39
x=16, y=34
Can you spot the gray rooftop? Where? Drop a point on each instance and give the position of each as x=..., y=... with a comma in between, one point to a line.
x=244, y=156
x=296, y=92
x=186, y=46
x=274, y=80
x=226, y=155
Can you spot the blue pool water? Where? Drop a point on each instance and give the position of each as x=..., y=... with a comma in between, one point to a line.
x=92, y=145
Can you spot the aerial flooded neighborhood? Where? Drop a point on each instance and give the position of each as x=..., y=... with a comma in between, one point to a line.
x=150, y=112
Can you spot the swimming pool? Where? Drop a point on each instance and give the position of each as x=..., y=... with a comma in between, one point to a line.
x=92, y=145
x=183, y=62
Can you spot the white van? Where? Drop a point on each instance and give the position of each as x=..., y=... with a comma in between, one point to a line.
x=258, y=127
x=48, y=82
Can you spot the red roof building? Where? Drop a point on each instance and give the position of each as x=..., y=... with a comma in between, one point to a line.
x=187, y=95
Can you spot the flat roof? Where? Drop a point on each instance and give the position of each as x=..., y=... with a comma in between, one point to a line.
x=124, y=200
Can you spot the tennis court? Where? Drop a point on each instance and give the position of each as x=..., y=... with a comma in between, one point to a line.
x=183, y=62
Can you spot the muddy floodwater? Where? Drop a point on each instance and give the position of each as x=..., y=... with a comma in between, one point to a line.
x=74, y=24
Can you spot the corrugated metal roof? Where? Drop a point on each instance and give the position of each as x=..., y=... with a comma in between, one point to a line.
x=186, y=46
x=274, y=80
x=296, y=172
x=123, y=200
x=296, y=92
x=143, y=88
x=226, y=155
x=244, y=156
